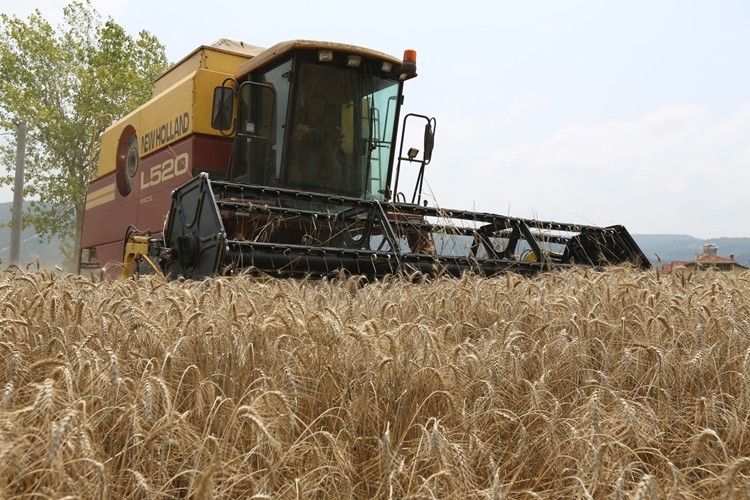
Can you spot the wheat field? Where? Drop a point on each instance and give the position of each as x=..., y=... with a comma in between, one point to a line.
x=574, y=384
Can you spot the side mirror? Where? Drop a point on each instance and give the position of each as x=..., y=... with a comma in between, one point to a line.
x=221, y=114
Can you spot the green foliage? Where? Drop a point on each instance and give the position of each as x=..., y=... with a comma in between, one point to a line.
x=67, y=83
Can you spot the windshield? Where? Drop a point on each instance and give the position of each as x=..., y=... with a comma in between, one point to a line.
x=342, y=131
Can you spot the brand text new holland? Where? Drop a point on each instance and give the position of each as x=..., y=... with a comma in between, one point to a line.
x=165, y=133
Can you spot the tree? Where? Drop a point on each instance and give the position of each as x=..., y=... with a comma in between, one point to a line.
x=67, y=83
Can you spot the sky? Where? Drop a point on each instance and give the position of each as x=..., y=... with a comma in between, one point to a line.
x=594, y=112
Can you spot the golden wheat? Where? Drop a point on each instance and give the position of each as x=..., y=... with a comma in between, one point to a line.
x=576, y=384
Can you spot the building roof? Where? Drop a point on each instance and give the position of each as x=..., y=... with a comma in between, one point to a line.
x=705, y=260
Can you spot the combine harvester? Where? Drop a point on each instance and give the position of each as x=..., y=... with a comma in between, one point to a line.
x=284, y=161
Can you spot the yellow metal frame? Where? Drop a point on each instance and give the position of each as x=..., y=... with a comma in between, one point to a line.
x=136, y=250
x=180, y=106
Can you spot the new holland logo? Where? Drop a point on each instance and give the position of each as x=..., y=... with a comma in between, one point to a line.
x=165, y=133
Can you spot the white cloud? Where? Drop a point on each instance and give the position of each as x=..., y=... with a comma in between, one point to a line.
x=675, y=170
x=673, y=115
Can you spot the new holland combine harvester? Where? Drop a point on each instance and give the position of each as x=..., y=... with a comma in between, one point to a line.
x=284, y=161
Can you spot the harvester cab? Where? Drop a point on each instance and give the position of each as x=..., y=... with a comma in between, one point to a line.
x=284, y=162
x=317, y=119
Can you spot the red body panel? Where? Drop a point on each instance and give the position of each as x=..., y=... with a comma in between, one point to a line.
x=109, y=214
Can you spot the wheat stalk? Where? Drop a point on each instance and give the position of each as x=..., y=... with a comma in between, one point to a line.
x=731, y=474
x=59, y=433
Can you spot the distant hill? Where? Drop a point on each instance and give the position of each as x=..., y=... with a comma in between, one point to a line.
x=671, y=247
x=31, y=245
